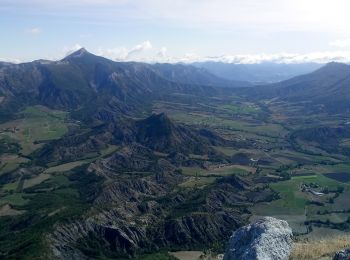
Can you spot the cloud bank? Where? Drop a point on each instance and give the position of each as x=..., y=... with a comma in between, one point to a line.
x=123, y=53
x=145, y=52
x=288, y=58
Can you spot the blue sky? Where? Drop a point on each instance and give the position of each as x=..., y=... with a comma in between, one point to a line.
x=177, y=30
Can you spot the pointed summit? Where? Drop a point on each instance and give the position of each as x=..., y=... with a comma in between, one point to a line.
x=77, y=54
x=156, y=126
x=82, y=56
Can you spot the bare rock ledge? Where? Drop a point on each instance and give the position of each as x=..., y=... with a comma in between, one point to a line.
x=266, y=239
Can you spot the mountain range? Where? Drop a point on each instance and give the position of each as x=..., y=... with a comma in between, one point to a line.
x=82, y=78
x=258, y=73
x=326, y=89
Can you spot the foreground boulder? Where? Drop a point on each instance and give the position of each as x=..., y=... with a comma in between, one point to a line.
x=342, y=255
x=266, y=239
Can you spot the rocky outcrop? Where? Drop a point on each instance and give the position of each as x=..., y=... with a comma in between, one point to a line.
x=266, y=239
x=138, y=206
x=155, y=133
x=140, y=214
x=342, y=255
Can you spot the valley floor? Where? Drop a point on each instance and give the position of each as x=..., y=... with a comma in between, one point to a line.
x=309, y=179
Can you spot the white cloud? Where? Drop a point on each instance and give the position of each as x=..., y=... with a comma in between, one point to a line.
x=317, y=57
x=34, y=31
x=288, y=58
x=130, y=54
x=123, y=53
x=139, y=48
x=340, y=43
x=10, y=60
x=162, y=52
x=118, y=54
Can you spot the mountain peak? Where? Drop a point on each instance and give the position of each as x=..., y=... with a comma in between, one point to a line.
x=160, y=119
x=157, y=125
x=77, y=54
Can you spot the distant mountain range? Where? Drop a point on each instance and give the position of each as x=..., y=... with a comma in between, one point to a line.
x=266, y=72
x=94, y=86
x=188, y=74
x=82, y=79
x=327, y=88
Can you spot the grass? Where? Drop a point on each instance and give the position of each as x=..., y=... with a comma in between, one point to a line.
x=9, y=162
x=225, y=150
x=232, y=169
x=23, y=236
x=217, y=171
x=294, y=205
x=342, y=167
x=333, y=217
x=187, y=255
x=67, y=166
x=109, y=150
x=345, y=143
x=199, y=182
x=192, y=171
x=240, y=109
x=6, y=210
x=59, y=180
x=292, y=200
x=317, y=249
x=200, y=178
x=12, y=186
x=216, y=122
x=71, y=165
x=36, y=123
x=342, y=202
x=13, y=199
x=36, y=180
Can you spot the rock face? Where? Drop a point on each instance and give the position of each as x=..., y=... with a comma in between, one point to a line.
x=342, y=255
x=266, y=239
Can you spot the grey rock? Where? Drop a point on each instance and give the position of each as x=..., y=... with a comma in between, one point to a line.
x=342, y=255
x=266, y=239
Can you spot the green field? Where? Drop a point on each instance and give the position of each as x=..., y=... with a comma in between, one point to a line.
x=10, y=162
x=241, y=109
x=13, y=199
x=197, y=182
x=35, y=124
x=294, y=205
x=67, y=166
x=265, y=131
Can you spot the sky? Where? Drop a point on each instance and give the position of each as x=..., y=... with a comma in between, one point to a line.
x=238, y=31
